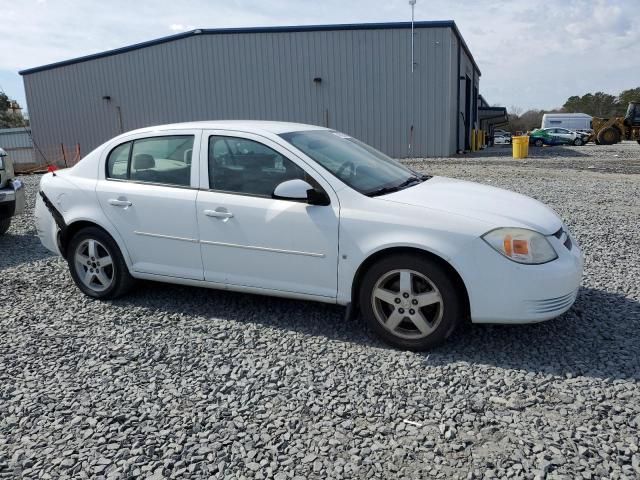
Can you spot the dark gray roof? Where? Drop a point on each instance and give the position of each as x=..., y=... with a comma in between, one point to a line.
x=494, y=115
x=300, y=28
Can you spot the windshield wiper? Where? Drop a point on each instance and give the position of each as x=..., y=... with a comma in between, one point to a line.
x=381, y=191
x=407, y=183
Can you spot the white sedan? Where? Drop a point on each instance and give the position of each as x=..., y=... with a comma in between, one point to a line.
x=306, y=212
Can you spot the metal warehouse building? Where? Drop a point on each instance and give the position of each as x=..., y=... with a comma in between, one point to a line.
x=354, y=78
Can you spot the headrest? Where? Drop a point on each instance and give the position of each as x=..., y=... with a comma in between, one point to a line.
x=143, y=161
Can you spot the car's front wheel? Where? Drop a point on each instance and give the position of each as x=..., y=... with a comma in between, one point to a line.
x=410, y=301
x=538, y=142
x=578, y=142
x=96, y=264
x=5, y=223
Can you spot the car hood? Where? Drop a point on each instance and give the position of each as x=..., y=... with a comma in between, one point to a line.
x=495, y=206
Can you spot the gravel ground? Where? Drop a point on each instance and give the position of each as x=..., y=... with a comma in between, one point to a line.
x=184, y=382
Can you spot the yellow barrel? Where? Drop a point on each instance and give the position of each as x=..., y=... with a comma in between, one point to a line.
x=520, y=146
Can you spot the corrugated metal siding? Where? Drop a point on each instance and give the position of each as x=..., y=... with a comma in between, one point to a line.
x=22, y=156
x=15, y=138
x=367, y=87
x=17, y=143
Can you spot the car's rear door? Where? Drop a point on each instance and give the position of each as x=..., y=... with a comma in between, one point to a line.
x=554, y=137
x=147, y=188
x=250, y=239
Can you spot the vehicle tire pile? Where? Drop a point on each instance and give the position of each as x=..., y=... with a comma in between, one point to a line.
x=177, y=382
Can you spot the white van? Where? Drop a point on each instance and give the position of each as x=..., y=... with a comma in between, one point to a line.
x=580, y=122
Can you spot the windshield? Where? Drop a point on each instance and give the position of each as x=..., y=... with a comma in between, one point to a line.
x=358, y=165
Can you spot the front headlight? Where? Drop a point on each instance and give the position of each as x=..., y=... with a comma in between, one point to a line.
x=521, y=245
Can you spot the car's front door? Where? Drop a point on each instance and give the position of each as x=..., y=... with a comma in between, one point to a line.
x=148, y=191
x=250, y=239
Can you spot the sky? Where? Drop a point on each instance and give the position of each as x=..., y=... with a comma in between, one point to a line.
x=532, y=54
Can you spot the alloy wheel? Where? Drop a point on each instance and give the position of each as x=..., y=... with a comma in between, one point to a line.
x=407, y=303
x=94, y=265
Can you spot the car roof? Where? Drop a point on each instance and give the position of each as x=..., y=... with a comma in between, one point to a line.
x=250, y=126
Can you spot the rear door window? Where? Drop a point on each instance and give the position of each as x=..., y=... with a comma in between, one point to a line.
x=163, y=160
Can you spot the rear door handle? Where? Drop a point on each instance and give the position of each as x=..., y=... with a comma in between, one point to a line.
x=116, y=202
x=219, y=213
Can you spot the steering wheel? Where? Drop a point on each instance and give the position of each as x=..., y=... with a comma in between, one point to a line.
x=343, y=167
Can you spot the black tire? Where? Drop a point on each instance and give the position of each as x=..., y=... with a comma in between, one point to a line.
x=578, y=142
x=447, y=313
x=121, y=280
x=5, y=223
x=608, y=136
x=538, y=142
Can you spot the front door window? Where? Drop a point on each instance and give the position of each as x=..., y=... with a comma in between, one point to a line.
x=240, y=165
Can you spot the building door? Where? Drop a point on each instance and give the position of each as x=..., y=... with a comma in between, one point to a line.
x=474, y=113
x=467, y=114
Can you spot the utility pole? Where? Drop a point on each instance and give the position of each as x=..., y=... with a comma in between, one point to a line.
x=413, y=6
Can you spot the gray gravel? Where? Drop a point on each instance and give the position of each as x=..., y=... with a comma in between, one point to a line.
x=185, y=382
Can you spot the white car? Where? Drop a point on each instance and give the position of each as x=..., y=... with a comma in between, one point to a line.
x=306, y=212
x=501, y=140
x=571, y=136
x=557, y=136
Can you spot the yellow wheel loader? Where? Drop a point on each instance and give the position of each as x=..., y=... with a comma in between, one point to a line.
x=607, y=131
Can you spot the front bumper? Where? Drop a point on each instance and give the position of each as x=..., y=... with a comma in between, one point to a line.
x=503, y=291
x=12, y=199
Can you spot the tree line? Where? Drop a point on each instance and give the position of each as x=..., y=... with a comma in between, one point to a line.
x=598, y=104
x=9, y=119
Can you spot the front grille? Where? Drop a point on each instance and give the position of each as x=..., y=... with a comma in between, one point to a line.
x=550, y=305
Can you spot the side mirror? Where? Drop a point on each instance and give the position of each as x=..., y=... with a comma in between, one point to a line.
x=301, y=191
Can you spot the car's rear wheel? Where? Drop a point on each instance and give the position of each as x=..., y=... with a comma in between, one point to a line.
x=410, y=301
x=96, y=264
x=538, y=142
x=5, y=223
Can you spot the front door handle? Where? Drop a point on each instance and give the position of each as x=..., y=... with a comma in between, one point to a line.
x=117, y=202
x=219, y=213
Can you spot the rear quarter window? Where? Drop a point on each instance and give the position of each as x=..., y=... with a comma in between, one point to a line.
x=118, y=161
